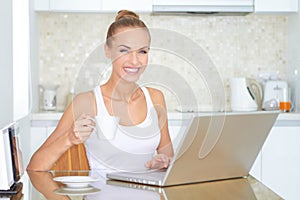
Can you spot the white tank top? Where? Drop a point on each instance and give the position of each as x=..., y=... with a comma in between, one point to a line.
x=131, y=147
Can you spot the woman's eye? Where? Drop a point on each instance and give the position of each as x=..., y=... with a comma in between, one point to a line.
x=123, y=50
x=143, y=52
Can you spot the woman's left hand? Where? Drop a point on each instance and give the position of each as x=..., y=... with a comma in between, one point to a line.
x=160, y=161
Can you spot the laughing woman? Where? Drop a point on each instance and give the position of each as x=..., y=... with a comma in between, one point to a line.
x=141, y=140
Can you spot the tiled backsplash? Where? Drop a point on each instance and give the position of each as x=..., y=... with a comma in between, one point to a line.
x=70, y=48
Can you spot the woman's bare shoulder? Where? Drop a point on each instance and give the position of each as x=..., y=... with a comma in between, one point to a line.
x=84, y=103
x=156, y=95
x=84, y=96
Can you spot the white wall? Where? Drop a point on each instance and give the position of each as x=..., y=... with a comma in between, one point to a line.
x=6, y=69
x=6, y=77
x=21, y=58
x=34, y=54
x=293, y=57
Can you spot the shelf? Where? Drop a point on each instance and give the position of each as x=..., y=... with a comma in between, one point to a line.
x=52, y=115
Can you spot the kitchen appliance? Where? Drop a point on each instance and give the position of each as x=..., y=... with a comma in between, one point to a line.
x=11, y=162
x=49, y=97
x=246, y=94
x=204, y=7
x=274, y=92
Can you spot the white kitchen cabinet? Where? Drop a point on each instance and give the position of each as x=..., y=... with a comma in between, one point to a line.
x=42, y=5
x=68, y=5
x=281, y=161
x=92, y=5
x=276, y=6
x=76, y=5
x=38, y=135
x=116, y=5
x=256, y=167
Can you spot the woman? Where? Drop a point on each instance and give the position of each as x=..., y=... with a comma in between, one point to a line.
x=143, y=128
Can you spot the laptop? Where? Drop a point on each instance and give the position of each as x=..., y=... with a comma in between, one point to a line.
x=213, y=147
x=239, y=188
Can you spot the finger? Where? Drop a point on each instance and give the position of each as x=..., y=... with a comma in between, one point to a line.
x=164, y=158
x=91, y=126
x=84, y=122
x=82, y=116
x=78, y=127
x=148, y=164
x=89, y=118
x=157, y=165
x=83, y=136
x=85, y=128
x=160, y=158
x=76, y=133
x=163, y=161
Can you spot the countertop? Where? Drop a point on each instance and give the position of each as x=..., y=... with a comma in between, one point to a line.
x=241, y=188
x=172, y=115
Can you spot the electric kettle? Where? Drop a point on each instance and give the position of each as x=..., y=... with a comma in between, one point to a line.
x=246, y=94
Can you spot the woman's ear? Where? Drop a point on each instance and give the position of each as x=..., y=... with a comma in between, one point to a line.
x=107, y=51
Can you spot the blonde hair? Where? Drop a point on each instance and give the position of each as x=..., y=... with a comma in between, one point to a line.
x=124, y=18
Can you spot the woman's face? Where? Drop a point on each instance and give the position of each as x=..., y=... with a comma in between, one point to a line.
x=128, y=51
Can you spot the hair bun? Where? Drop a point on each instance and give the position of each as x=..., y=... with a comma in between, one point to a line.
x=126, y=14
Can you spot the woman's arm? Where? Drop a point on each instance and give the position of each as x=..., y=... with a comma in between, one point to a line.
x=68, y=133
x=44, y=183
x=165, y=147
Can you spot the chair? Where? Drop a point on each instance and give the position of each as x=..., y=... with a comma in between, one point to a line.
x=73, y=159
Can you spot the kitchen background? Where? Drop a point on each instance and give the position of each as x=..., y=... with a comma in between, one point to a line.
x=238, y=46
x=63, y=43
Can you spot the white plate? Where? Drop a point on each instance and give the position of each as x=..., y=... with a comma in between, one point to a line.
x=76, y=191
x=76, y=181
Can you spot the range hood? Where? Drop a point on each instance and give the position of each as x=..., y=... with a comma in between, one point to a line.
x=203, y=7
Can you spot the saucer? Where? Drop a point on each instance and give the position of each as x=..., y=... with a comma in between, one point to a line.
x=76, y=181
x=76, y=191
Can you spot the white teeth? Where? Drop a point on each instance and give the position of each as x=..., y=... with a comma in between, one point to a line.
x=131, y=70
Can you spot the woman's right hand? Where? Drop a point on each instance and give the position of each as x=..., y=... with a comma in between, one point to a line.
x=160, y=161
x=82, y=128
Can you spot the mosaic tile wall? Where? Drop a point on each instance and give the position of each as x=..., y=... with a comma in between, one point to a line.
x=200, y=52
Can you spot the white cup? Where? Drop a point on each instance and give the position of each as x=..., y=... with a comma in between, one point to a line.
x=106, y=126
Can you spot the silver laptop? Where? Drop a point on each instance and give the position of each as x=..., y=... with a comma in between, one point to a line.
x=239, y=188
x=214, y=147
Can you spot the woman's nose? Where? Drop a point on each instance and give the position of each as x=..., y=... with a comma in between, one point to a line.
x=134, y=58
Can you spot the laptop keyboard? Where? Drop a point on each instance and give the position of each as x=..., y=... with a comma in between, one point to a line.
x=152, y=178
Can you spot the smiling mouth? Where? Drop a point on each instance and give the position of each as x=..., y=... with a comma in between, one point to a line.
x=131, y=69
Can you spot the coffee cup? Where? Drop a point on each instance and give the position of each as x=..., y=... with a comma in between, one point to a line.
x=106, y=126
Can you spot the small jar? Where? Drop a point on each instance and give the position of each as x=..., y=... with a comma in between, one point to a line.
x=285, y=101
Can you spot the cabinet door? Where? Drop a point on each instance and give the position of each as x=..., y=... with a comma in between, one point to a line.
x=273, y=6
x=37, y=137
x=256, y=167
x=136, y=6
x=76, y=5
x=41, y=5
x=49, y=130
x=281, y=161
